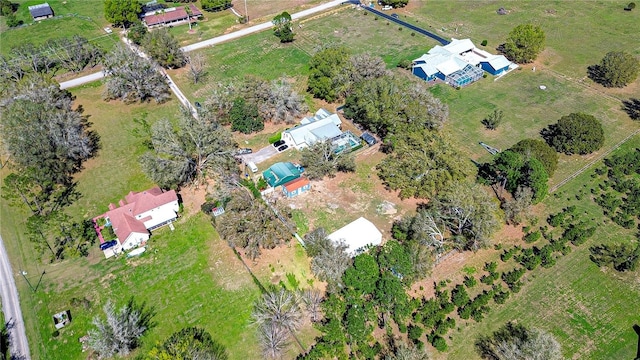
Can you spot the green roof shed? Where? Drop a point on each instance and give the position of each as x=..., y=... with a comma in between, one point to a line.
x=281, y=173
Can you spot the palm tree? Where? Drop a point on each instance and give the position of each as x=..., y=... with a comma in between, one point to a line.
x=280, y=310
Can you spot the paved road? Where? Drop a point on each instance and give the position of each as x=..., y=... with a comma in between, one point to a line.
x=261, y=155
x=11, y=307
x=216, y=40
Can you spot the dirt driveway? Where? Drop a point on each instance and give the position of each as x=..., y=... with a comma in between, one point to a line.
x=261, y=155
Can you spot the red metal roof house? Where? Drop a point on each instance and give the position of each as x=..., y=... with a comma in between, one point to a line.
x=171, y=16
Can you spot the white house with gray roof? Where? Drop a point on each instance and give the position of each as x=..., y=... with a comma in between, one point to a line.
x=323, y=126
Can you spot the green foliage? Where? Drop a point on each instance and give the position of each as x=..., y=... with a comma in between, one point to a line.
x=622, y=257
x=616, y=69
x=164, y=48
x=439, y=343
x=515, y=170
x=576, y=133
x=12, y=20
x=484, y=43
x=276, y=137
x=395, y=258
x=122, y=12
x=539, y=150
x=6, y=8
x=325, y=69
x=394, y=3
x=532, y=237
x=494, y=119
x=459, y=295
x=422, y=164
x=245, y=117
x=524, y=43
x=470, y=281
x=321, y=159
x=282, y=27
x=215, y=5
x=186, y=344
x=137, y=33
x=630, y=6
x=364, y=274
x=512, y=278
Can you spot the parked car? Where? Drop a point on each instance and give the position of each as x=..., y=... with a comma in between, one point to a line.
x=368, y=138
x=278, y=143
x=243, y=151
x=395, y=16
x=283, y=147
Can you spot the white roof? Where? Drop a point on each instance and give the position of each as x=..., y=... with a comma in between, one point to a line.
x=314, y=129
x=356, y=235
x=499, y=61
x=450, y=66
x=459, y=46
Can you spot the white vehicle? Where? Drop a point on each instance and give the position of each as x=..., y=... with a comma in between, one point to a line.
x=387, y=7
x=252, y=166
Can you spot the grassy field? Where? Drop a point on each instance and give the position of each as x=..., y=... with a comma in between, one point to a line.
x=262, y=55
x=527, y=110
x=590, y=311
x=578, y=33
x=73, y=17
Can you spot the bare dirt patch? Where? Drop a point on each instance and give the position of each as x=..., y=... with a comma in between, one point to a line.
x=259, y=9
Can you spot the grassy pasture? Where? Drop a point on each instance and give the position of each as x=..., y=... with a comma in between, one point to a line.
x=591, y=311
x=578, y=33
x=73, y=17
x=527, y=110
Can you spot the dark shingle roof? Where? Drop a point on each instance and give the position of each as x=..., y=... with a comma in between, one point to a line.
x=40, y=10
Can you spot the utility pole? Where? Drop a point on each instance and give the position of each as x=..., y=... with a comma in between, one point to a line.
x=246, y=13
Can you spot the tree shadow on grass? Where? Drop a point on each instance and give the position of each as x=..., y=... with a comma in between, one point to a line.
x=636, y=328
x=632, y=108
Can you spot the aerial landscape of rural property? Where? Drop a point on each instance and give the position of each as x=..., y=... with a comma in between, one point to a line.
x=315, y=179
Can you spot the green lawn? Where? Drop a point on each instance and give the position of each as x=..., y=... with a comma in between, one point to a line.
x=73, y=17
x=527, y=110
x=589, y=310
x=578, y=33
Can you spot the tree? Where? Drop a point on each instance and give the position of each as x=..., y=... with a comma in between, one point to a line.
x=244, y=117
x=576, y=133
x=282, y=27
x=616, y=69
x=12, y=20
x=407, y=352
x=216, y=5
x=122, y=12
x=632, y=108
x=4, y=342
x=329, y=260
x=395, y=3
x=515, y=342
x=196, y=69
x=325, y=73
x=622, y=257
x=468, y=212
x=277, y=101
x=188, y=153
x=510, y=170
x=132, y=78
x=524, y=43
x=494, y=119
x=321, y=159
x=163, y=47
x=191, y=343
x=120, y=332
x=390, y=105
x=44, y=136
x=251, y=225
x=7, y=7
x=422, y=163
x=278, y=311
x=273, y=340
x=137, y=32
x=363, y=275
x=312, y=299
x=539, y=150
x=515, y=209
x=75, y=53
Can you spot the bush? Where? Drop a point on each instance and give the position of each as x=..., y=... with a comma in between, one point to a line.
x=405, y=64
x=616, y=69
x=631, y=6
x=439, y=343
x=470, y=281
x=484, y=43
x=415, y=332
x=532, y=237
x=275, y=137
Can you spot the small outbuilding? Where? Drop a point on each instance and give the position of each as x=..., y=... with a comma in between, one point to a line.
x=281, y=173
x=358, y=236
x=41, y=11
x=296, y=187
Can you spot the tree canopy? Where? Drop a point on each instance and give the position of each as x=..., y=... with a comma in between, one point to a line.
x=320, y=160
x=215, y=5
x=282, y=27
x=616, y=69
x=122, y=12
x=191, y=343
x=576, y=133
x=133, y=78
x=244, y=117
x=388, y=105
x=421, y=164
x=189, y=152
x=540, y=150
x=511, y=170
x=164, y=48
x=515, y=341
x=326, y=73
x=524, y=43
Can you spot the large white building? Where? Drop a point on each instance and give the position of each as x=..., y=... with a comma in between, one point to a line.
x=358, y=236
x=323, y=126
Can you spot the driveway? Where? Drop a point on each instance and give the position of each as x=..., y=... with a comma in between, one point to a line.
x=260, y=155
